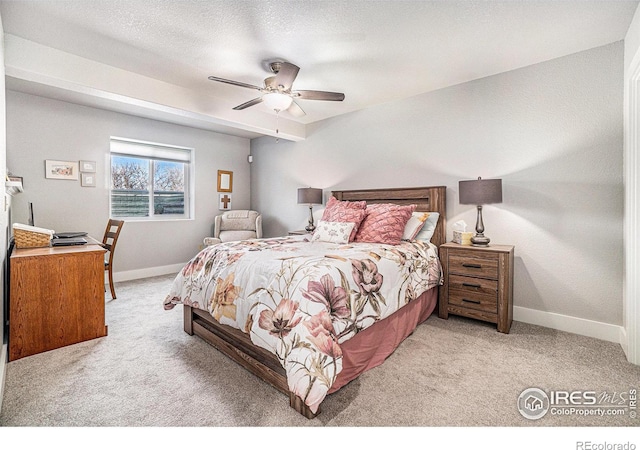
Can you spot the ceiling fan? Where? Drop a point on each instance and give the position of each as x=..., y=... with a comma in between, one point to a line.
x=277, y=93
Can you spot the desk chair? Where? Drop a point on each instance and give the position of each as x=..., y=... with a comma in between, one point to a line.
x=109, y=242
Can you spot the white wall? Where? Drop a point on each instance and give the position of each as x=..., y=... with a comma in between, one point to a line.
x=631, y=306
x=3, y=219
x=552, y=131
x=39, y=128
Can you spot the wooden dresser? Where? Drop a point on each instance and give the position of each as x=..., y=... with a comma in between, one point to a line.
x=56, y=298
x=478, y=283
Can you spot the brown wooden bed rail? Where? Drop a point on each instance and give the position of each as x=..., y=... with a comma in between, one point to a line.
x=238, y=346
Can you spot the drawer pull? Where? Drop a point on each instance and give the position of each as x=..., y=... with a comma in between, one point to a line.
x=473, y=285
x=472, y=266
x=477, y=302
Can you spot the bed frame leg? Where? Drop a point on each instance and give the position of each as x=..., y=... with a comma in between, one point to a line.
x=298, y=404
x=188, y=320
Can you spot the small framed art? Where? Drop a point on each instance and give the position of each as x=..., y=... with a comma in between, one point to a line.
x=225, y=181
x=88, y=166
x=61, y=170
x=88, y=179
x=225, y=202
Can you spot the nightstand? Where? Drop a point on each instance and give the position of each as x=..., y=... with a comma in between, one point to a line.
x=478, y=283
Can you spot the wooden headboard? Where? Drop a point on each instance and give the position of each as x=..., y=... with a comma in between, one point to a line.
x=432, y=198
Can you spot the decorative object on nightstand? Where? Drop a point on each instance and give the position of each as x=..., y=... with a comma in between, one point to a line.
x=480, y=192
x=310, y=196
x=478, y=283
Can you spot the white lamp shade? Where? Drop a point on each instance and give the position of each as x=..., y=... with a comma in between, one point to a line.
x=277, y=101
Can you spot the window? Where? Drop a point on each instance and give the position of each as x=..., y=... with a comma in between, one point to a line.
x=150, y=181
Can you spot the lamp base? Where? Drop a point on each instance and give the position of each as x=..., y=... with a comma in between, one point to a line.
x=480, y=240
x=311, y=227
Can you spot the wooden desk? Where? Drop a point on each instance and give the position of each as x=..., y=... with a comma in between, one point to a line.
x=56, y=298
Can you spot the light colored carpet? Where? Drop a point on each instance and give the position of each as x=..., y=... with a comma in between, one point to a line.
x=149, y=373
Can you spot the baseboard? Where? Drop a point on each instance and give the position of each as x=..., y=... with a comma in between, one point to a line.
x=624, y=341
x=3, y=371
x=146, y=273
x=576, y=325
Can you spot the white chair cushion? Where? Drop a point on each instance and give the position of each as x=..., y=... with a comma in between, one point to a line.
x=237, y=235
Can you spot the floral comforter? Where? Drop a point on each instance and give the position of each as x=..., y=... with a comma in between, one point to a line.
x=300, y=299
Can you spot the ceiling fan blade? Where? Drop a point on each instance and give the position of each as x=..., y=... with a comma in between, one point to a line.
x=285, y=76
x=319, y=95
x=295, y=110
x=255, y=101
x=235, y=83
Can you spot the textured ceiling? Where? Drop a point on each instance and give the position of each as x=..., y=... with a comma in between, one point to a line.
x=373, y=51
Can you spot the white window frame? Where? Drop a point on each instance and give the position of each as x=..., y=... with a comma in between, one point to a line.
x=154, y=151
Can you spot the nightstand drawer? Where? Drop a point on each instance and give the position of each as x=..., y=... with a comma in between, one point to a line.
x=474, y=267
x=473, y=285
x=474, y=300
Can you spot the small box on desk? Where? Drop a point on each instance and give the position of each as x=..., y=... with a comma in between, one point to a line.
x=462, y=237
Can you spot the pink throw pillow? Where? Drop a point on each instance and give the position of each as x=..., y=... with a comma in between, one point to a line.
x=384, y=223
x=338, y=211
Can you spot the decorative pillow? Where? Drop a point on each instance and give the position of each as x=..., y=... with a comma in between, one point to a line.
x=336, y=232
x=429, y=227
x=414, y=224
x=337, y=211
x=334, y=202
x=384, y=223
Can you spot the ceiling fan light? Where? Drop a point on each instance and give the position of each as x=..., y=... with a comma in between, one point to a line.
x=277, y=101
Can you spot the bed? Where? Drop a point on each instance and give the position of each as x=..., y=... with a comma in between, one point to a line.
x=308, y=316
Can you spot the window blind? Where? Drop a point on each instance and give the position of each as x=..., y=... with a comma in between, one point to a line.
x=150, y=150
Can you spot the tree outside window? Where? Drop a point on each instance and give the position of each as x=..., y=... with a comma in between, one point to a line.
x=147, y=186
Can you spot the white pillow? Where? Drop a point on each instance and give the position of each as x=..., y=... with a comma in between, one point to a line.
x=414, y=224
x=421, y=226
x=334, y=232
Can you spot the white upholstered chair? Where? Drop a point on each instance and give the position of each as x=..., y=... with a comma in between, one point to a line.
x=236, y=225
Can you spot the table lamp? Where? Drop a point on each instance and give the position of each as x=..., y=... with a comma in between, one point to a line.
x=310, y=196
x=480, y=192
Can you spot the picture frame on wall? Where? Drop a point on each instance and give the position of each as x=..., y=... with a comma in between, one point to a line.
x=88, y=166
x=225, y=181
x=61, y=170
x=88, y=179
